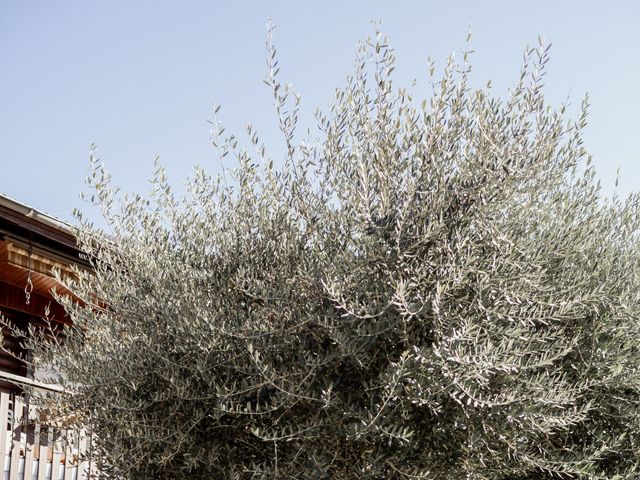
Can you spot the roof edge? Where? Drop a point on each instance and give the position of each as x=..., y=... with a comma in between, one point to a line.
x=34, y=214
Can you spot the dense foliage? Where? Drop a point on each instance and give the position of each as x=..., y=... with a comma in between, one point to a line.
x=433, y=289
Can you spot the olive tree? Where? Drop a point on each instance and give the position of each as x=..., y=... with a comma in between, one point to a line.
x=424, y=289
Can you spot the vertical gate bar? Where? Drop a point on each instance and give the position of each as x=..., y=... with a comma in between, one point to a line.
x=16, y=428
x=43, y=437
x=55, y=457
x=4, y=419
x=83, y=452
x=91, y=468
x=68, y=455
x=30, y=444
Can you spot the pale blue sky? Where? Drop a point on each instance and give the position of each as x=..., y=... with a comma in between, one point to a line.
x=139, y=77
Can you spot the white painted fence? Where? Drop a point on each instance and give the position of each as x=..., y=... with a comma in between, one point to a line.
x=32, y=451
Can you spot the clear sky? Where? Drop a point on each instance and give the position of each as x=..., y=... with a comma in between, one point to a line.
x=140, y=77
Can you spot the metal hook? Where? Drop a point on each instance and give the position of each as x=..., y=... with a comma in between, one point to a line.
x=29, y=286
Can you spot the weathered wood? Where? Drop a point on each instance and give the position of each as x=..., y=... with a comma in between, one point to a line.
x=17, y=379
x=10, y=216
x=68, y=454
x=12, y=296
x=91, y=467
x=40, y=451
x=4, y=416
x=83, y=449
x=43, y=436
x=31, y=445
x=16, y=428
x=55, y=458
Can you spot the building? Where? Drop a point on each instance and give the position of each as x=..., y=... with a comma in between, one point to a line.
x=32, y=244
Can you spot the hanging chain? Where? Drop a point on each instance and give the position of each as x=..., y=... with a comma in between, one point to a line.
x=29, y=286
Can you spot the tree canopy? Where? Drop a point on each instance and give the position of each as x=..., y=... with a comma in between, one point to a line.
x=430, y=289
